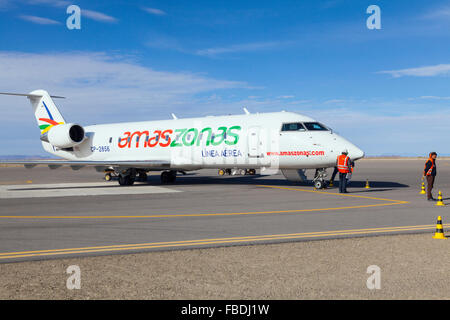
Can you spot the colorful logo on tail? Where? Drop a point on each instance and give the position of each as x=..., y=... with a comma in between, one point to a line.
x=48, y=122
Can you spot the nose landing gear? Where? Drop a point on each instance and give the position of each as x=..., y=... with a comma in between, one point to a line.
x=319, y=178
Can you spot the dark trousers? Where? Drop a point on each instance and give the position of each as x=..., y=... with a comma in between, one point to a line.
x=335, y=171
x=342, y=182
x=430, y=184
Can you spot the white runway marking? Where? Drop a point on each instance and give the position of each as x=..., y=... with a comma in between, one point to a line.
x=76, y=190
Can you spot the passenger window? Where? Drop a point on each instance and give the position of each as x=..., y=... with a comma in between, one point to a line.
x=315, y=126
x=295, y=126
x=110, y=140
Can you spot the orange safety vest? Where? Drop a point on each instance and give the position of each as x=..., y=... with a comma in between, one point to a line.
x=342, y=163
x=428, y=173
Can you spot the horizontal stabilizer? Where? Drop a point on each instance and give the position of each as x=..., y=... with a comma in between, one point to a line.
x=28, y=95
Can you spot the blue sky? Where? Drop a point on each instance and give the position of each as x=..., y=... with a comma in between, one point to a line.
x=386, y=90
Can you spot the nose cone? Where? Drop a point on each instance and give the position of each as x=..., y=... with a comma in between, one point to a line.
x=355, y=153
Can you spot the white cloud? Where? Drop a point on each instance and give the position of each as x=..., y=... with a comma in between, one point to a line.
x=443, y=12
x=246, y=47
x=97, y=86
x=97, y=16
x=54, y=3
x=154, y=11
x=90, y=14
x=286, y=97
x=39, y=20
x=297, y=102
x=335, y=101
x=431, y=98
x=427, y=71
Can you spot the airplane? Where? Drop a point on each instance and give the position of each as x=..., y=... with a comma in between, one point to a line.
x=285, y=141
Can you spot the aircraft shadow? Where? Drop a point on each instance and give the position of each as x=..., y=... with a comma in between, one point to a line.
x=259, y=179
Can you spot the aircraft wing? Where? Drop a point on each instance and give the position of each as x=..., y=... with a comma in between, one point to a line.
x=98, y=165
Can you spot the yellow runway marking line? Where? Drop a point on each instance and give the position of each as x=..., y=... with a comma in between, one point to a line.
x=15, y=182
x=198, y=214
x=334, y=193
x=187, y=243
x=390, y=202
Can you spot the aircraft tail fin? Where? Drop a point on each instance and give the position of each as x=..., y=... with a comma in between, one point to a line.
x=45, y=111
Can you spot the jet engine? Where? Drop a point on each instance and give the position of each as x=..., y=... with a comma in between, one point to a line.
x=65, y=135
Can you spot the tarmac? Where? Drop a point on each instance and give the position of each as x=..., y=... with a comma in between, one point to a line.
x=73, y=216
x=411, y=267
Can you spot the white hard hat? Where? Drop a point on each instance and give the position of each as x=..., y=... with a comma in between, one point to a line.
x=345, y=151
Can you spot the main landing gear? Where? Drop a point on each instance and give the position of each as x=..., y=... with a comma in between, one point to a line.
x=128, y=177
x=126, y=180
x=319, y=178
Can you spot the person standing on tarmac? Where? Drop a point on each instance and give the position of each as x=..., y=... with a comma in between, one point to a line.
x=429, y=173
x=343, y=163
x=335, y=171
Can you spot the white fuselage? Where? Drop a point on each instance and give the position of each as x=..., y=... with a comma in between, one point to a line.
x=244, y=141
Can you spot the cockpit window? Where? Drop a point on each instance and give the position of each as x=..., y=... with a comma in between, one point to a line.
x=315, y=126
x=295, y=126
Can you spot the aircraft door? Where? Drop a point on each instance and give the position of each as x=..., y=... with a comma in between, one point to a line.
x=254, y=143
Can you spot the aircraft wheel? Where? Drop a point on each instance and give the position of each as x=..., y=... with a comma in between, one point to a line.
x=251, y=171
x=122, y=180
x=126, y=180
x=221, y=172
x=108, y=176
x=143, y=177
x=168, y=177
x=164, y=177
x=242, y=172
x=319, y=184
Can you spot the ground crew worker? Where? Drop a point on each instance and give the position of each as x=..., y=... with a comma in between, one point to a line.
x=335, y=171
x=429, y=173
x=343, y=164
